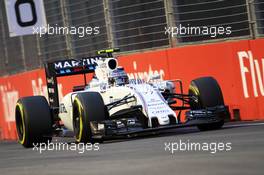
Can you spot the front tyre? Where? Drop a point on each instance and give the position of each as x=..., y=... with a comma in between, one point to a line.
x=33, y=121
x=87, y=107
x=207, y=93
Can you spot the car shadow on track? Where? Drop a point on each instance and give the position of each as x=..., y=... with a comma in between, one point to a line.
x=169, y=132
x=159, y=134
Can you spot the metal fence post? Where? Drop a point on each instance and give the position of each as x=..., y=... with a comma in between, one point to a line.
x=252, y=18
x=4, y=38
x=21, y=40
x=108, y=22
x=39, y=50
x=67, y=24
x=168, y=4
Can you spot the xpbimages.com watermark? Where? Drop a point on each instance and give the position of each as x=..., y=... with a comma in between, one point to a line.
x=59, y=30
x=183, y=146
x=212, y=31
x=60, y=146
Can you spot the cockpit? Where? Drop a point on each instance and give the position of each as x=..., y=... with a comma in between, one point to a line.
x=118, y=77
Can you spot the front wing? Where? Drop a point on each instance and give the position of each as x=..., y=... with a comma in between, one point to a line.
x=132, y=126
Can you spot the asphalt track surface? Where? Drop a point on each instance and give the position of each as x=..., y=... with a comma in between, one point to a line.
x=147, y=155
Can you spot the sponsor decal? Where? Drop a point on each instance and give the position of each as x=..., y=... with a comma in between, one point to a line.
x=147, y=74
x=76, y=63
x=9, y=99
x=252, y=69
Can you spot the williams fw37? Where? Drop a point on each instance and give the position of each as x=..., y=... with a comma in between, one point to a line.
x=112, y=105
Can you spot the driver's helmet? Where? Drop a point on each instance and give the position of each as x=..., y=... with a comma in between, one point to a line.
x=118, y=77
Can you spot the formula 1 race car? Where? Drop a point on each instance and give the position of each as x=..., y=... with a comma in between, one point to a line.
x=113, y=105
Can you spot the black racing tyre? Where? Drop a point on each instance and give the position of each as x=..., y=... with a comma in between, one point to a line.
x=208, y=94
x=87, y=107
x=33, y=121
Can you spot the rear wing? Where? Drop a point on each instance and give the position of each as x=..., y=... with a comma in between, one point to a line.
x=69, y=67
x=62, y=68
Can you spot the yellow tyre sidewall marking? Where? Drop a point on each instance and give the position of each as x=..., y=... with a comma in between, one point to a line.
x=194, y=89
x=23, y=124
x=80, y=109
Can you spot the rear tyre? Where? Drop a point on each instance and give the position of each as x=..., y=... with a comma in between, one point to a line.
x=207, y=93
x=87, y=107
x=33, y=121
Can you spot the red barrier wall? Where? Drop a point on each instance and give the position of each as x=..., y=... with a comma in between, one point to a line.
x=228, y=62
